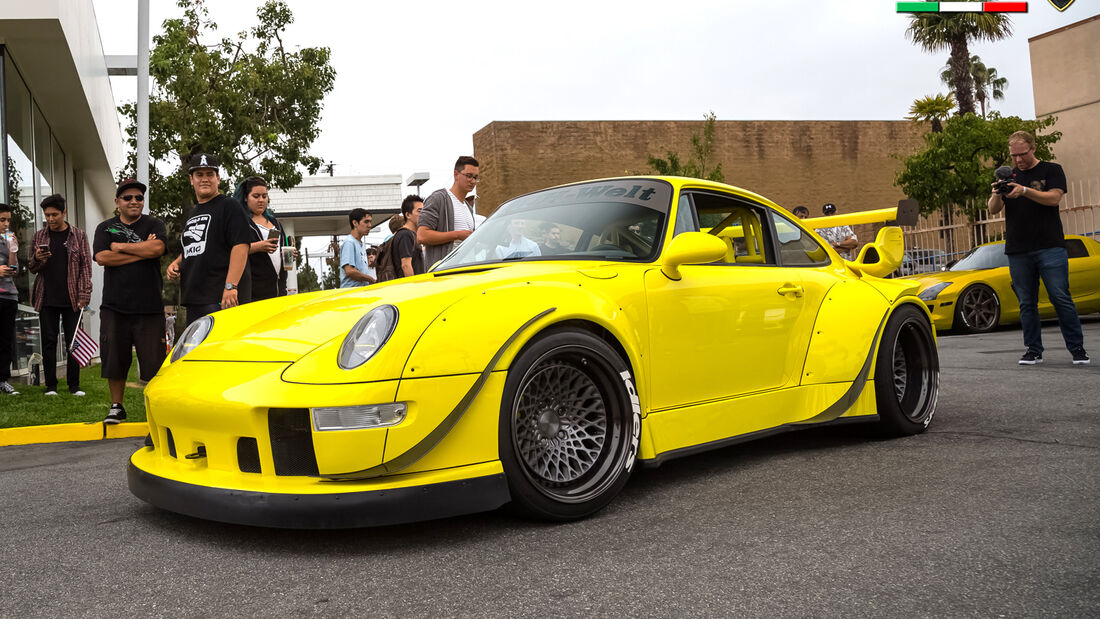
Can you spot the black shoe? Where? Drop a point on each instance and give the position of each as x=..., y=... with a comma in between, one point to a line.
x=1031, y=358
x=9, y=390
x=117, y=414
x=1080, y=357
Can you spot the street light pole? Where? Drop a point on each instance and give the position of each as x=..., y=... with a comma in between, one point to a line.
x=143, y=98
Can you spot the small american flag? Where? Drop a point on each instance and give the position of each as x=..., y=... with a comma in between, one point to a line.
x=84, y=347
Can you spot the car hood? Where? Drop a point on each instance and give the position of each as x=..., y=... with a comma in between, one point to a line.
x=927, y=280
x=285, y=329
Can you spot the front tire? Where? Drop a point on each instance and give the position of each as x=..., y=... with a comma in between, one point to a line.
x=569, y=426
x=978, y=309
x=907, y=373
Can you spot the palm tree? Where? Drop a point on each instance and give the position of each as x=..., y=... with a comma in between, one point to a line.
x=987, y=84
x=953, y=31
x=933, y=109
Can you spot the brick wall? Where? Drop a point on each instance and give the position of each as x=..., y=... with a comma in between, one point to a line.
x=848, y=163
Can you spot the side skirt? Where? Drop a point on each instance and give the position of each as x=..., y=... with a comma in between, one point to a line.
x=653, y=463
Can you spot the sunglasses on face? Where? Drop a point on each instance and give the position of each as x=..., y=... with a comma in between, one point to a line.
x=139, y=198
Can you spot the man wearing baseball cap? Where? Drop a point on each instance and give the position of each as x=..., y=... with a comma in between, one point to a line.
x=213, y=268
x=129, y=247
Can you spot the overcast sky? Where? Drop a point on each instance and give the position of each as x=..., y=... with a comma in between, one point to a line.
x=415, y=80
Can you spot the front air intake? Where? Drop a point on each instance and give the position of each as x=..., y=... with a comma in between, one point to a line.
x=248, y=455
x=291, y=441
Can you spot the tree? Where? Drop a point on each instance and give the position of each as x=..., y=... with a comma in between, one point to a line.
x=246, y=98
x=933, y=109
x=955, y=167
x=986, y=83
x=699, y=164
x=935, y=32
x=988, y=86
x=307, y=279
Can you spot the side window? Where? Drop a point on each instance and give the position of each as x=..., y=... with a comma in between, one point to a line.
x=1076, y=249
x=796, y=247
x=740, y=224
x=685, y=215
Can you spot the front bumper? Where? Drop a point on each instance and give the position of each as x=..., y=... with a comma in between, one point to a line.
x=234, y=442
x=943, y=312
x=333, y=510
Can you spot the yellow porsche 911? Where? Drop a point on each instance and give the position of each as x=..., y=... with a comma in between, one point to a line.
x=674, y=316
x=974, y=295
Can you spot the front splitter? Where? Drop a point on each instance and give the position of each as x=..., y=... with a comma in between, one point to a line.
x=337, y=510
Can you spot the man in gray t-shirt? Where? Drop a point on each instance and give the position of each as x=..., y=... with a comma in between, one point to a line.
x=447, y=218
x=9, y=299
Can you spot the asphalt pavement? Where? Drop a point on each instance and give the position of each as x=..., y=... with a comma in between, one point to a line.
x=994, y=512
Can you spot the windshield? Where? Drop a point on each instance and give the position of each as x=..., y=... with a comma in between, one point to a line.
x=620, y=220
x=984, y=257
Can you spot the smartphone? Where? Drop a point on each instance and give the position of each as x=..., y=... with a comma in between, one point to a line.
x=44, y=248
x=273, y=233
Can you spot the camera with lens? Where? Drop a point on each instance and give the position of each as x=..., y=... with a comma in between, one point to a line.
x=1003, y=184
x=1002, y=187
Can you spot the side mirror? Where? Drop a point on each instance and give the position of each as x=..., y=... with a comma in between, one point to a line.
x=882, y=257
x=691, y=248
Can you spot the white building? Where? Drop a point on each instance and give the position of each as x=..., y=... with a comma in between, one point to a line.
x=319, y=206
x=61, y=131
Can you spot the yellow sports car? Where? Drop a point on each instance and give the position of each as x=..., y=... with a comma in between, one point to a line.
x=673, y=316
x=974, y=295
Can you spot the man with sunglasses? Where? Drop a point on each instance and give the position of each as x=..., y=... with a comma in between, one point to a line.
x=447, y=217
x=129, y=247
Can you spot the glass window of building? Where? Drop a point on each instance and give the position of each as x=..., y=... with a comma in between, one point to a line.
x=43, y=155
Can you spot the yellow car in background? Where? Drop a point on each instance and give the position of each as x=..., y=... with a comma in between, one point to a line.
x=675, y=316
x=974, y=295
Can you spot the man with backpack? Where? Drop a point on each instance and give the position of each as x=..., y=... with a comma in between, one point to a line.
x=407, y=254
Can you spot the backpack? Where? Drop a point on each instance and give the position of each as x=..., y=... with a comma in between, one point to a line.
x=383, y=264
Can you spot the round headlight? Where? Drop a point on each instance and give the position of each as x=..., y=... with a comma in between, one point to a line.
x=367, y=336
x=192, y=336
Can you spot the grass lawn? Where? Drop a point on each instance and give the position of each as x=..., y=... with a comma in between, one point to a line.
x=32, y=408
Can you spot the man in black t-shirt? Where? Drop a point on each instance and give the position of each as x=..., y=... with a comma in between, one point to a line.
x=1036, y=247
x=62, y=288
x=408, y=256
x=129, y=247
x=213, y=268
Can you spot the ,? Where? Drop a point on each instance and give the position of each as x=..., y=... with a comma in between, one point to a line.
x=679, y=315
x=974, y=294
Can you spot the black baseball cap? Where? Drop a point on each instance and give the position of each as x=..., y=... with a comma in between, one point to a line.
x=829, y=208
x=203, y=160
x=130, y=184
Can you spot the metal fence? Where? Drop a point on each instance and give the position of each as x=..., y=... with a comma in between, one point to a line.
x=957, y=234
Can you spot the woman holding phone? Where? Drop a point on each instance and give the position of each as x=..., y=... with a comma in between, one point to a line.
x=265, y=260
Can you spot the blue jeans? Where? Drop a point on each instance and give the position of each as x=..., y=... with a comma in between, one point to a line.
x=1052, y=265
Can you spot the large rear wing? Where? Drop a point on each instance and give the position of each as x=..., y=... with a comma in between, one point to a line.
x=905, y=213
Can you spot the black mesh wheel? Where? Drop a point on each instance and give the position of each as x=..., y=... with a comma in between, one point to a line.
x=569, y=425
x=907, y=373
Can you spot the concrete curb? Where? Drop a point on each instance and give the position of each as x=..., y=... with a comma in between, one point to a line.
x=65, y=432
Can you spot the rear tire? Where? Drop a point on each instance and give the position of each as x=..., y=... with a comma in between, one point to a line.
x=907, y=373
x=569, y=426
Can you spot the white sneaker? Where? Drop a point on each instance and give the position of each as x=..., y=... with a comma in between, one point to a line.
x=8, y=389
x=78, y=393
x=51, y=393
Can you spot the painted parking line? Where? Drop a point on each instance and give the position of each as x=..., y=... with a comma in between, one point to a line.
x=65, y=432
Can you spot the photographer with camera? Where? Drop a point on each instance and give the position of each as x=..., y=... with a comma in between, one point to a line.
x=1035, y=245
